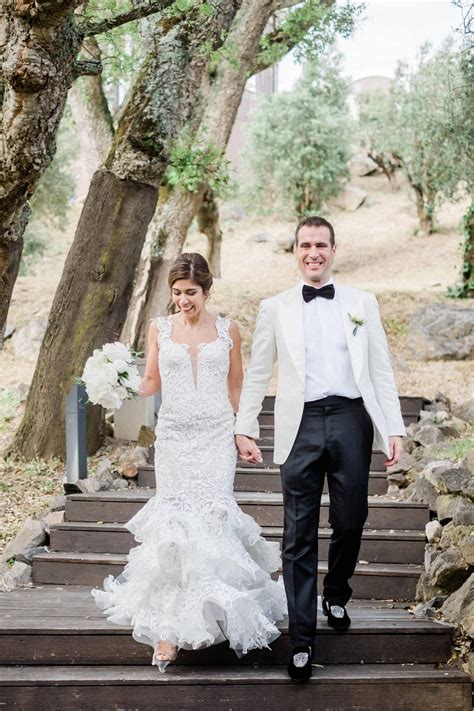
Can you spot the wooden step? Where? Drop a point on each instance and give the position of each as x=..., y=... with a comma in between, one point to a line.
x=263, y=479
x=266, y=420
x=344, y=687
x=64, y=626
x=376, y=463
x=377, y=581
x=377, y=546
x=409, y=405
x=266, y=508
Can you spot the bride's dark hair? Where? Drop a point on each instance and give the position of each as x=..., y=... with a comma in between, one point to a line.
x=191, y=265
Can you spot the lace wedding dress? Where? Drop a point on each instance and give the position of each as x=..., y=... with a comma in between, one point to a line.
x=201, y=574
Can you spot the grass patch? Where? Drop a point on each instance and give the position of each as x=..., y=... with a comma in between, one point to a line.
x=9, y=401
x=395, y=327
x=456, y=449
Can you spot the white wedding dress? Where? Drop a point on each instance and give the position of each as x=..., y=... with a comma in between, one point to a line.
x=201, y=574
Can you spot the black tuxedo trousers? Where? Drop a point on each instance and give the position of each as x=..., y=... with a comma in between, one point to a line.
x=334, y=440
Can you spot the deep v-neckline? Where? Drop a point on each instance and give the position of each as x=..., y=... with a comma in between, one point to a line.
x=193, y=360
x=199, y=346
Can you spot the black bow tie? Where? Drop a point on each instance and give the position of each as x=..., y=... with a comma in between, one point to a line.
x=309, y=292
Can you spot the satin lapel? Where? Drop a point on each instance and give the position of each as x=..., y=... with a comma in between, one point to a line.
x=354, y=342
x=291, y=319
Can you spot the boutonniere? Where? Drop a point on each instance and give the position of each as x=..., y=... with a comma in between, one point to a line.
x=357, y=321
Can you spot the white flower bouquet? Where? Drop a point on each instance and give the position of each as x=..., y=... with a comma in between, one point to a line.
x=111, y=376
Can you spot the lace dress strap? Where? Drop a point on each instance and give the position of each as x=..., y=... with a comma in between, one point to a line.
x=165, y=326
x=222, y=328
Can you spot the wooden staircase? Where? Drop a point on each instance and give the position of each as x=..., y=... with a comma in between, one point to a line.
x=57, y=651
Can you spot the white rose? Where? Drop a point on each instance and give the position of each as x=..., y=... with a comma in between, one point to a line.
x=108, y=373
x=111, y=401
x=121, y=366
x=121, y=392
x=116, y=351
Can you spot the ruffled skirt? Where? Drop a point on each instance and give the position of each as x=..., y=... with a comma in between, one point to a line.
x=201, y=575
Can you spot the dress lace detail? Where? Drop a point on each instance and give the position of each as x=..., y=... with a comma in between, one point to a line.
x=202, y=571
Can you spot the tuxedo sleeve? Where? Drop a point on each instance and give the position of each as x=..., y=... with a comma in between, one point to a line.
x=258, y=373
x=381, y=372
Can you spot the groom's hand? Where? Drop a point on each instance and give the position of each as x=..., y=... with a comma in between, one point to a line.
x=248, y=450
x=395, y=451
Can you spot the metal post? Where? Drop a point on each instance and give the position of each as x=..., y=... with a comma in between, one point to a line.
x=76, y=434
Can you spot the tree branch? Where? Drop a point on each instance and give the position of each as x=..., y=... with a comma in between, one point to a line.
x=278, y=38
x=88, y=68
x=144, y=9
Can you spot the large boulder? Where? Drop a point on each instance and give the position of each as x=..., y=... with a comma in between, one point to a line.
x=441, y=331
x=351, y=198
x=27, y=340
x=284, y=244
x=404, y=465
x=18, y=575
x=426, y=433
x=447, y=570
x=231, y=211
x=459, y=607
x=464, y=513
x=457, y=508
x=361, y=165
x=449, y=478
x=425, y=590
x=465, y=411
x=424, y=493
x=31, y=535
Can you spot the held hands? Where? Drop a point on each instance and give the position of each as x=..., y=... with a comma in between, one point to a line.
x=248, y=450
x=395, y=443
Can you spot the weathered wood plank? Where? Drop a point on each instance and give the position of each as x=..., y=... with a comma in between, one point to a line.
x=373, y=581
x=266, y=508
x=344, y=688
x=385, y=644
x=376, y=547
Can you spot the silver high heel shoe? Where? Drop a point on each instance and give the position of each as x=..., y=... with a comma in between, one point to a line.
x=166, y=659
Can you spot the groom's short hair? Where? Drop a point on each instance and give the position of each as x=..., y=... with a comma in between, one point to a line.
x=316, y=221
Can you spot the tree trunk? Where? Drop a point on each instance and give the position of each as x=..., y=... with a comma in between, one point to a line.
x=37, y=58
x=91, y=301
x=11, y=247
x=91, y=116
x=467, y=272
x=92, y=297
x=225, y=94
x=171, y=231
x=208, y=223
x=425, y=215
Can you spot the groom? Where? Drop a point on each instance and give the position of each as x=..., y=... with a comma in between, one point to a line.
x=336, y=397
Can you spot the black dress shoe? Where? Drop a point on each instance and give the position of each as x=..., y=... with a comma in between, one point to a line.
x=337, y=615
x=299, y=666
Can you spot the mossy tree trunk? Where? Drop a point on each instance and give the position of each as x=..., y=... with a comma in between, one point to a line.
x=91, y=301
x=208, y=223
x=91, y=115
x=37, y=59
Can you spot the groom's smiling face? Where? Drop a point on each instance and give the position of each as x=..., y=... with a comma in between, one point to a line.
x=315, y=254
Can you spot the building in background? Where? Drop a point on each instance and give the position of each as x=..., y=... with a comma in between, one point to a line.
x=263, y=84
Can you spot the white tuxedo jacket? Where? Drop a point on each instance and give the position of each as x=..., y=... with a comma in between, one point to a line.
x=279, y=336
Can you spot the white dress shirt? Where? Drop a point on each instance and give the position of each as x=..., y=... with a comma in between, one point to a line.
x=328, y=368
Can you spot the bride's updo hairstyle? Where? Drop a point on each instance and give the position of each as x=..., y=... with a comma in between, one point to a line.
x=193, y=266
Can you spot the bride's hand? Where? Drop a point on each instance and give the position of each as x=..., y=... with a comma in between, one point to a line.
x=248, y=450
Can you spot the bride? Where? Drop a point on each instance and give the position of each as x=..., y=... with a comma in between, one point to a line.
x=202, y=571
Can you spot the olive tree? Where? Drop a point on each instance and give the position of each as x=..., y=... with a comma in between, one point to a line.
x=299, y=141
